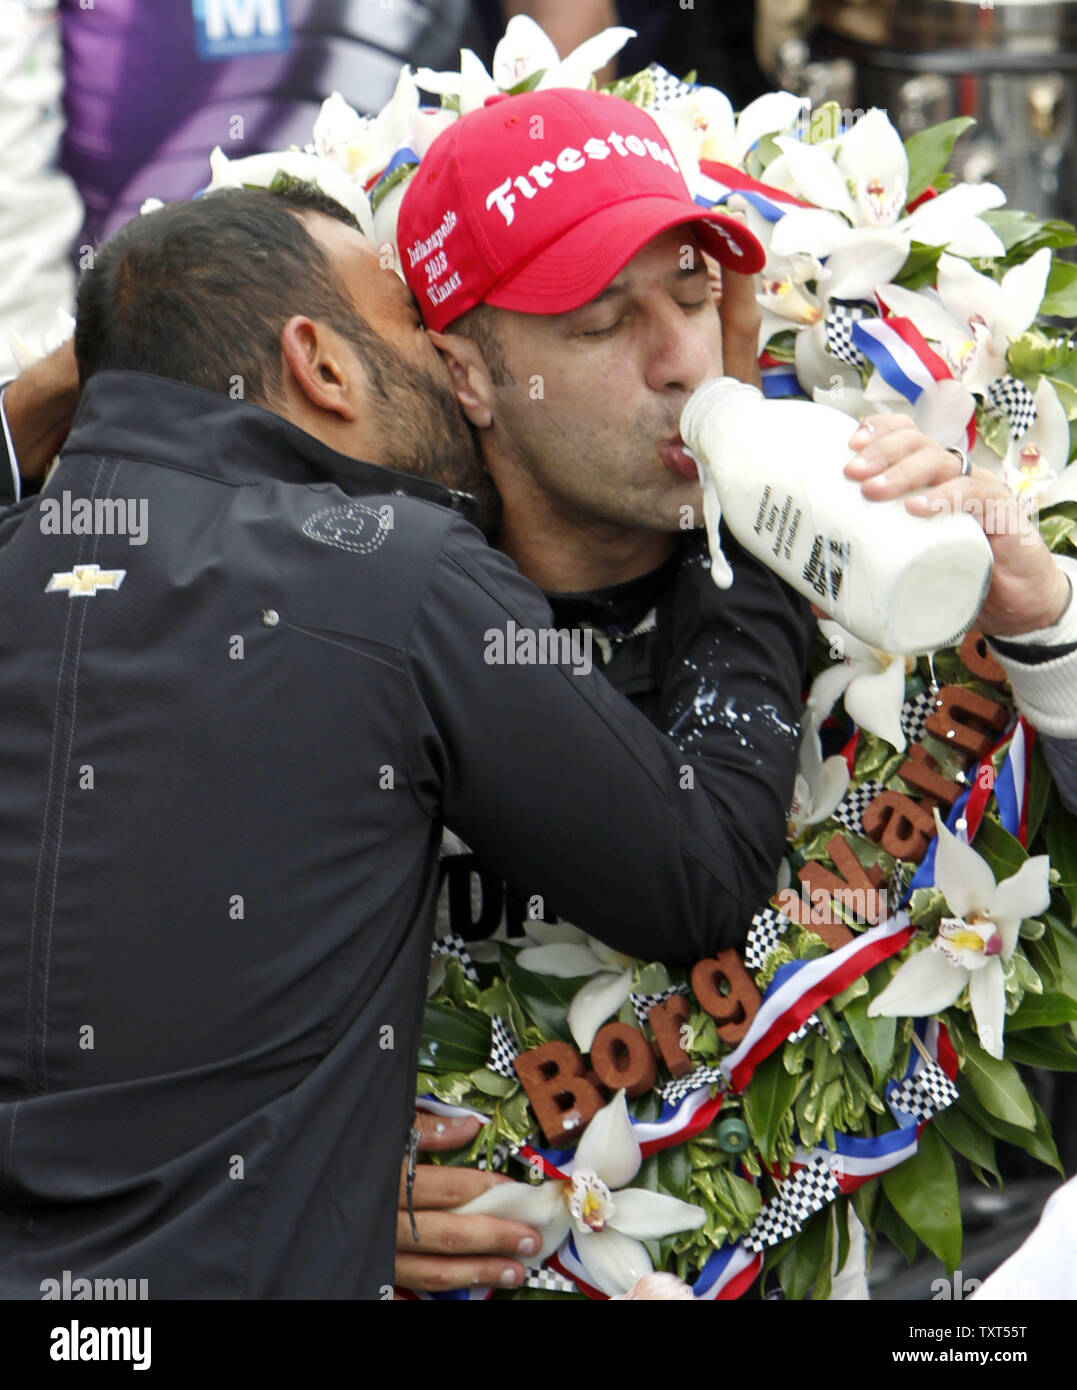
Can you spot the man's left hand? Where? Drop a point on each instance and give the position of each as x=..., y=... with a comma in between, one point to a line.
x=894, y=459
x=740, y=314
x=456, y=1251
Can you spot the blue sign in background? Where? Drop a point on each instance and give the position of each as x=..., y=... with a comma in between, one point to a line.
x=237, y=28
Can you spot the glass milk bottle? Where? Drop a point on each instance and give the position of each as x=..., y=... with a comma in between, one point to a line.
x=773, y=470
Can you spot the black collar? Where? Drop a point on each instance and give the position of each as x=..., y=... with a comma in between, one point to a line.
x=160, y=421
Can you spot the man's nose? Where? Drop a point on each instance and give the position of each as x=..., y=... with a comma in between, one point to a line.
x=683, y=350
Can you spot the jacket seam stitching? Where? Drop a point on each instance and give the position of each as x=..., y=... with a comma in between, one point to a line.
x=71, y=727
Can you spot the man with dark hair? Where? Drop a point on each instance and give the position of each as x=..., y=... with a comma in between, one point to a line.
x=230, y=745
x=155, y=302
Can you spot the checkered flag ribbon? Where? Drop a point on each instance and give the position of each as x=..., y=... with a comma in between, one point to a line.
x=500, y=1156
x=1009, y=399
x=642, y=1004
x=673, y=1092
x=453, y=945
x=503, y=1049
x=667, y=88
x=838, y=325
x=805, y=1028
x=851, y=811
x=809, y=1190
x=550, y=1280
x=924, y=1094
x=914, y=714
x=767, y=929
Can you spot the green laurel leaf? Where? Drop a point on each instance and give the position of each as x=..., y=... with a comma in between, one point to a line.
x=998, y=1085
x=875, y=1037
x=923, y=1191
x=929, y=153
x=766, y=1101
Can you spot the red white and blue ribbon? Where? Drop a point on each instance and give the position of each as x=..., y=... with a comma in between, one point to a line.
x=779, y=378
x=719, y=182
x=1010, y=789
x=675, y=1125
x=728, y=1273
x=901, y=355
x=798, y=989
x=404, y=155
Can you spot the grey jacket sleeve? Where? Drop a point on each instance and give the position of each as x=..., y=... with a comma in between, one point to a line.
x=563, y=789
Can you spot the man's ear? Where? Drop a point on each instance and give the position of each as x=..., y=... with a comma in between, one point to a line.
x=470, y=377
x=319, y=369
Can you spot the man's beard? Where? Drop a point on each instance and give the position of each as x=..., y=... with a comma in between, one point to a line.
x=430, y=437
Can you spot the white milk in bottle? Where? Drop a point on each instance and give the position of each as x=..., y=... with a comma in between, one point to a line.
x=773, y=470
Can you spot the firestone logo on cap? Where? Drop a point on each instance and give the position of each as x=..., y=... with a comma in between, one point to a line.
x=570, y=161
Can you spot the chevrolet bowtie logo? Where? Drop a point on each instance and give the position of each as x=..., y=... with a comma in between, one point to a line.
x=84, y=581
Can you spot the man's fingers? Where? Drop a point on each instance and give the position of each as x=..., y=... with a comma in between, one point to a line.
x=882, y=450
x=441, y=1132
x=437, y=1274
x=873, y=427
x=446, y=1233
x=922, y=467
x=441, y=1187
x=972, y=494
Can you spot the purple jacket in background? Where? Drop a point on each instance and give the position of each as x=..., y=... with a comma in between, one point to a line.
x=152, y=87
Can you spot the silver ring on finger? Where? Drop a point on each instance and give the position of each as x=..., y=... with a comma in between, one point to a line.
x=966, y=463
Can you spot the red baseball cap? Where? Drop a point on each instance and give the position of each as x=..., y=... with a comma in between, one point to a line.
x=535, y=203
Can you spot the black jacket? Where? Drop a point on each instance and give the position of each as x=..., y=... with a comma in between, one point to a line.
x=223, y=774
x=722, y=665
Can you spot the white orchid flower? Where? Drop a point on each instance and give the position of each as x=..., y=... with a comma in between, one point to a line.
x=972, y=317
x=585, y=60
x=872, y=682
x=563, y=950
x=364, y=145
x=259, y=171
x=469, y=87
x=973, y=944
x=952, y=219
x=525, y=49
x=820, y=786
x=863, y=176
x=608, y=1221
x=1035, y=466
x=726, y=138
